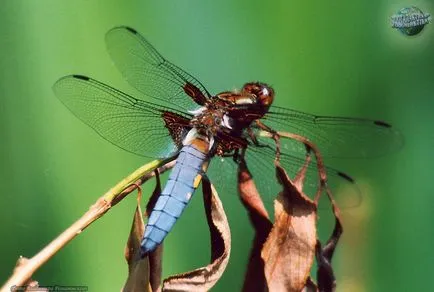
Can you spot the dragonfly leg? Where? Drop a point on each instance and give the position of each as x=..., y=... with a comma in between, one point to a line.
x=274, y=135
x=301, y=174
x=320, y=164
x=310, y=147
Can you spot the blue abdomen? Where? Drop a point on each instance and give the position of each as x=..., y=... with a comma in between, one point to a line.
x=183, y=180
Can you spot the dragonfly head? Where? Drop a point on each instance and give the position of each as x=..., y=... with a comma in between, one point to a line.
x=264, y=94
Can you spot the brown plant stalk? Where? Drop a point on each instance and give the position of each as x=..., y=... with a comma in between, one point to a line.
x=26, y=268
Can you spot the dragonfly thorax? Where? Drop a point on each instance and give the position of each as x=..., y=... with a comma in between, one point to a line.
x=210, y=121
x=243, y=107
x=229, y=114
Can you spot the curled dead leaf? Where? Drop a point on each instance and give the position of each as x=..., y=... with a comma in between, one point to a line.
x=155, y=257
x=310, y=286
x=282, y=253
x=325, y=275
x=144, y=274
x=254, y=279
x=205, y=278
x=138, y=268
x=289, y=250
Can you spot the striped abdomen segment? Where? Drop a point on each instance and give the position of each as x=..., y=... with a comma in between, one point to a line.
x=183, y=180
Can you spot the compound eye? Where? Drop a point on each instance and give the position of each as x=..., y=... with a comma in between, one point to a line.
x=266, y=95
x=263, y=92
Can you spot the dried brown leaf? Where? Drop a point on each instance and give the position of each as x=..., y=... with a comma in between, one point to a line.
x=250, y=197
x=155, y=268
x=254, y=279
x=144, y=274
x=310, y=286
x=155, y=194
x=138, y=268
x=156, y=256
x=204, y=278
x=289, y=250
x=325, y=275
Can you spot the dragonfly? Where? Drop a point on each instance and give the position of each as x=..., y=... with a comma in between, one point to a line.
x=207, y=134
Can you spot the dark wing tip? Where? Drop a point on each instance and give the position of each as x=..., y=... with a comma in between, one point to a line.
x=382, y=124
x=82, y=77
x=123, y=27
x=131, y=29
x=345, y=176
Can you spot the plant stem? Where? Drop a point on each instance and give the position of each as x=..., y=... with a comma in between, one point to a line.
x=26, y=268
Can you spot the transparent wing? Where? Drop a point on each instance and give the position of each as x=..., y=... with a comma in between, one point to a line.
x=146, y=70
x=260, y=161
x=335, y=136
x=132, y=124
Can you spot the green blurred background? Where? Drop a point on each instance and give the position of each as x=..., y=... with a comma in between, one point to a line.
x=325, y=57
